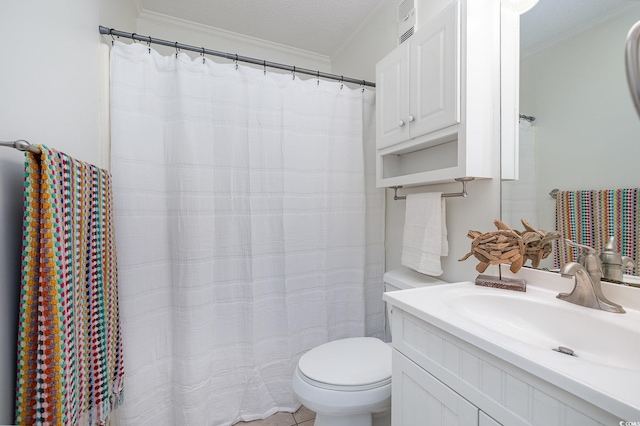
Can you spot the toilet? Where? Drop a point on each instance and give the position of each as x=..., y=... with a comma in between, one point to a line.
x=347, y=382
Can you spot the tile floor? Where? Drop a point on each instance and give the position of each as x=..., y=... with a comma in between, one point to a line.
x=302, y=417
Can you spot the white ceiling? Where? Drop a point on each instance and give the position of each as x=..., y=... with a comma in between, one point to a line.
x=318, y=26
x=551, y=19
x=321, y=26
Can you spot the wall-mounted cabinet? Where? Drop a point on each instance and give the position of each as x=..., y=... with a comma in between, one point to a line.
x=419, y=83
x=437, y=104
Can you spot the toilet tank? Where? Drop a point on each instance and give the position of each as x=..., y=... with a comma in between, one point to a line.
x=404, y=279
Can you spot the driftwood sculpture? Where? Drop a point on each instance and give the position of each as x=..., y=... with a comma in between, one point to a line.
x=538, y=243
x=510, y=246
x=493, y=248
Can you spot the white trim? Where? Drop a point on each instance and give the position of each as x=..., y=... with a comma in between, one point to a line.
x=162, y=19
x=139, y=6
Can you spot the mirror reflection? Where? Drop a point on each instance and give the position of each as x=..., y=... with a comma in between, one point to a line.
x=586, y=132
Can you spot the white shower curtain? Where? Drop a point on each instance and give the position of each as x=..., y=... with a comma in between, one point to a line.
x=249, y=230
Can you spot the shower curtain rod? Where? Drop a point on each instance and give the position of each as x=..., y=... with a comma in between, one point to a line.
x=21, y=145
x=233, y=56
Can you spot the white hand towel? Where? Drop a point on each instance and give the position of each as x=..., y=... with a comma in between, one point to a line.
x=425, y=233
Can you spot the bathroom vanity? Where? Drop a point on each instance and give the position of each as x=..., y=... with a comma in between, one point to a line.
x=471, y=355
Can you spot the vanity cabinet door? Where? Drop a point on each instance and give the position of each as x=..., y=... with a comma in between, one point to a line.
x=418, y=398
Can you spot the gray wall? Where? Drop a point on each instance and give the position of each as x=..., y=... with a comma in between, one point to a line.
x=586, y=128
x=50, y=91
x=358, y=58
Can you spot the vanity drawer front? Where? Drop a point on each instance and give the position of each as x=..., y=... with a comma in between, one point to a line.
x=508, y=394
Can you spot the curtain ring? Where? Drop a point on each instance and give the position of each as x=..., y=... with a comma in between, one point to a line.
x=294, y=72
x=341, y=82
x=177, y=50
x=264, y=66
x=203, y=55
x=318, y=76
x=363, y=82
x=113, y=40
x=236, y=61
x=133, y=37
x=149, y=44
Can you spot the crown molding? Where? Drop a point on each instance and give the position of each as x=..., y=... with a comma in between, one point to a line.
x=170, y=21
x=138, y=6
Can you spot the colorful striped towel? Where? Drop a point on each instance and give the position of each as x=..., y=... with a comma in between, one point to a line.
x=590, y=217
x=70, y=365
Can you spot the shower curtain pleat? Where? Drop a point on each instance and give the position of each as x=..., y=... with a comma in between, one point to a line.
x=70, y=366
x=249, y=231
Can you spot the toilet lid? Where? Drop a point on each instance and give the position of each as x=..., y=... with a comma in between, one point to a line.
x=353, y=362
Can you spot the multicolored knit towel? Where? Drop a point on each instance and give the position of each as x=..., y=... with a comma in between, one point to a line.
x=70, y=365
x=590, y=217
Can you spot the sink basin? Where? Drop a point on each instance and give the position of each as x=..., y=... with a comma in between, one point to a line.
x=537, y=318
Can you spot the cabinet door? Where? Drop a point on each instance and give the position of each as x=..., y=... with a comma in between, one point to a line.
x=435, y=73
x=392, y=97
x=418, y=398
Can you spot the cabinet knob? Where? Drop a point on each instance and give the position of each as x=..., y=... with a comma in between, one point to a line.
x=411, y=119
x=401, y=123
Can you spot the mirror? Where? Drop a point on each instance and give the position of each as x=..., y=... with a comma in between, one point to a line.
x=586, y=133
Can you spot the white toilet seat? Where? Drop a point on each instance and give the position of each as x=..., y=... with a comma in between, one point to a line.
x=337, y=403
x=350, y=365
x=346, y=382
x=343, y=388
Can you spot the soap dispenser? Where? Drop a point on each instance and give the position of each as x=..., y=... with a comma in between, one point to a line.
x=613, y=262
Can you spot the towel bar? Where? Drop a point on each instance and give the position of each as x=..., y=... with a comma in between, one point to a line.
x=463, y=193
x=21, y=145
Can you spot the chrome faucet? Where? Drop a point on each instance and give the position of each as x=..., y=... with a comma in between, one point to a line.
x=613, y=263
x=587, y=290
